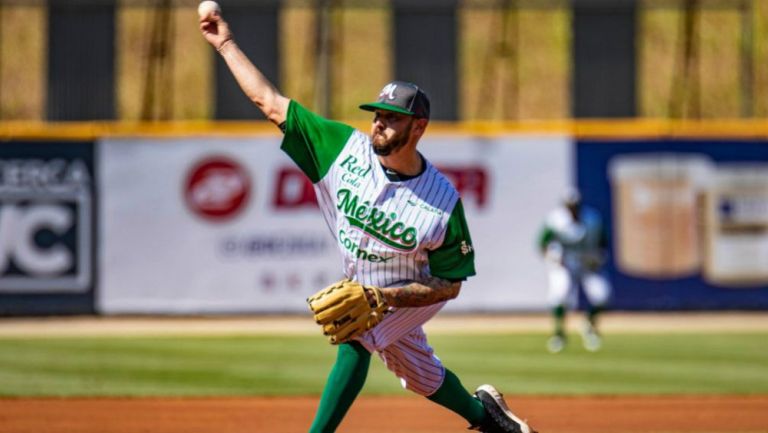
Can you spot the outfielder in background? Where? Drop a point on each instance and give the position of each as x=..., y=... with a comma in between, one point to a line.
x=400, y=227
x=573, y=242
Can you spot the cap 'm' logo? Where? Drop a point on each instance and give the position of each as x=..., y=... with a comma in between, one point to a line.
x=388, y=91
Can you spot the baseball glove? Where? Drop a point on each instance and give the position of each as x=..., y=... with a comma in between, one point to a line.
x=346, y=309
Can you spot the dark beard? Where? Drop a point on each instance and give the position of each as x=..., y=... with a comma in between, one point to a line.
x=394, y=143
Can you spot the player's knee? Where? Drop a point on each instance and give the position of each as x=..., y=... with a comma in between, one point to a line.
x=597, y=289
x=423, y=387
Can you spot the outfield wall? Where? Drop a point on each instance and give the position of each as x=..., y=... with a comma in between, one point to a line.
x=180, y=224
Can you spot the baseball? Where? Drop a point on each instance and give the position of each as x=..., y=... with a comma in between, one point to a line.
x=208, y=6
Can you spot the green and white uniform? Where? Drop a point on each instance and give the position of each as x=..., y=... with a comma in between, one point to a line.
x=389, y=232
x=573, y=248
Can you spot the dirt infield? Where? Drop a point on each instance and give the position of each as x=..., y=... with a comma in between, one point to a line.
x=715, y=414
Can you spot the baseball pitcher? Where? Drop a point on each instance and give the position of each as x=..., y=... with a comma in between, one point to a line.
x=404, y=243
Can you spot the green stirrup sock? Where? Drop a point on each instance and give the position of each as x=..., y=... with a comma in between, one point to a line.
x=452, y=395
x=559, y=315
x=344, y=383
x=592, y=315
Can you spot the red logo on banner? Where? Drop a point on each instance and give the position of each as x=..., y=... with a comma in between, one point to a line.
x=217, y=188
x=470, y=181
x=293, y=190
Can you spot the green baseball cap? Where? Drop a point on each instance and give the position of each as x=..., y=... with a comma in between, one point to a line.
x=401, y=97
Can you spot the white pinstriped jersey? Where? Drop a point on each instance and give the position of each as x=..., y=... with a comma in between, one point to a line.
x=573, y=241
x=389, y=233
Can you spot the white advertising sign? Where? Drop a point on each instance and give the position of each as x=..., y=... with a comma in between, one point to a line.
x=222, y=225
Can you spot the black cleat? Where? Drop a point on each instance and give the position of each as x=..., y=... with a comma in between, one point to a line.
x=499, y=419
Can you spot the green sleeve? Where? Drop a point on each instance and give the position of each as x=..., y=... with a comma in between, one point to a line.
x=455, y=259
x=546, y=235
x=312, y=141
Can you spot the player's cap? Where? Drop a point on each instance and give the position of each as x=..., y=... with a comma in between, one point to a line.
x=401, y=97
x=572, y=196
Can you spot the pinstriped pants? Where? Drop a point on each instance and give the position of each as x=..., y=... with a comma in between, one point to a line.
x=402, y=345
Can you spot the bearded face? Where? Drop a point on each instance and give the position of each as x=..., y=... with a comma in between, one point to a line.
x=384, y=146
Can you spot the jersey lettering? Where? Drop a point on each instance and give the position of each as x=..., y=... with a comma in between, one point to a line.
x=376, y=223
x=359, y=170
x=360, y=253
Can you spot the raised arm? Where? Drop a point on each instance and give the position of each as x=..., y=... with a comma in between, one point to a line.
x=254, y=84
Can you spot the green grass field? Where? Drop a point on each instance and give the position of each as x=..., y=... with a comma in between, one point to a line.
x=678, y=363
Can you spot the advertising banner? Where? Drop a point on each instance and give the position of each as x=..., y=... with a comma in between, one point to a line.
x=689, y=220
x=226, y=225
x=47, y=206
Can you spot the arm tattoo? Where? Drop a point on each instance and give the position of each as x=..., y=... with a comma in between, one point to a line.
x=429, y=292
